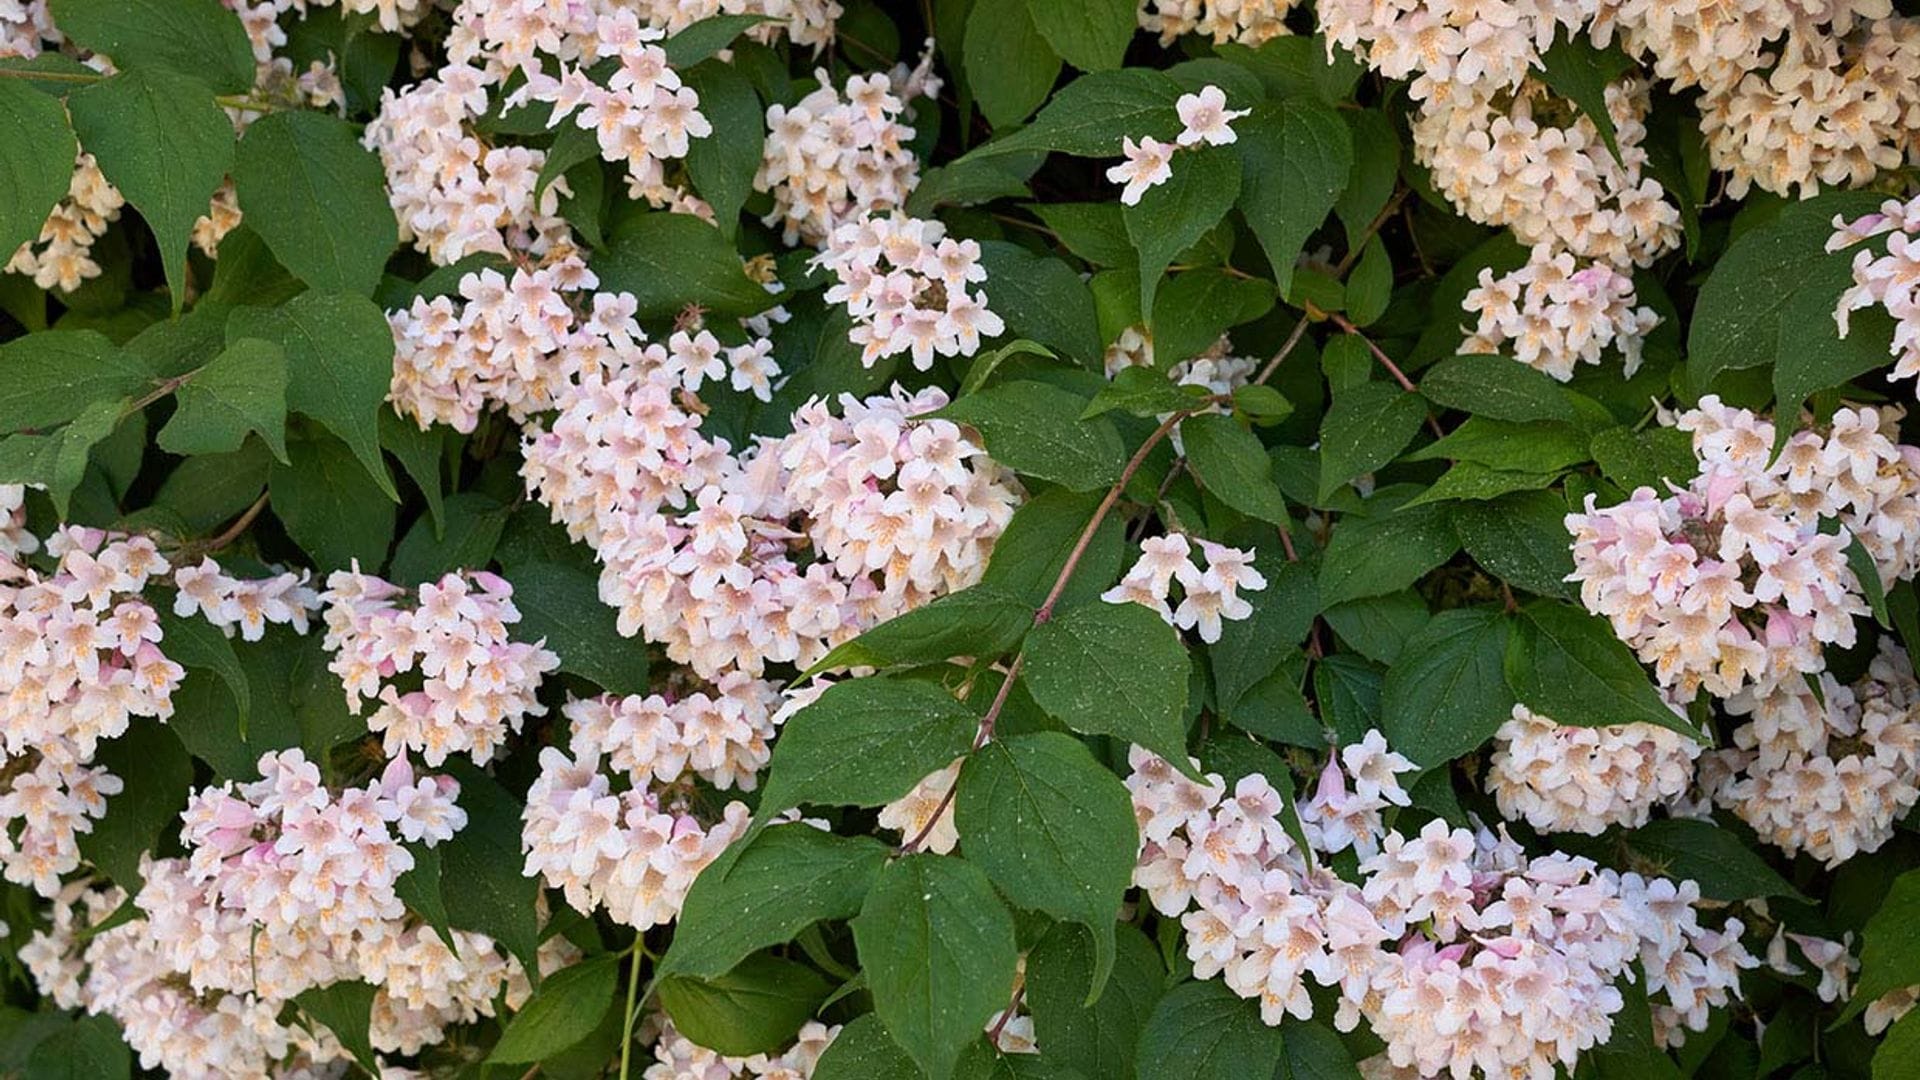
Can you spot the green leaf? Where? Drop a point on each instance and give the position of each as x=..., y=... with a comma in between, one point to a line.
x=1092, y=231
x=1144, y=391
x=58, y=462
x=1736, y=318
x=419, y=453
x=1651, y=458
x=1296, y=156
x=198, y=38
x=54, y=375
x=90, y=1048
x=938, y=949
x=1299, y=66
x=339, y=366
x=1521, y=538
x=1379, y=555
x=1030, y=554
x=1447, y=692
x=698, y=41
x=1367, y=427
x=669, y=261
x=1194, y=307
x=1174, y=215
x=562, y=606
x=1495, y=387
x=1890, y=945
x=1040, y=298
x=1112, y=669
x=318, y=198
x=137, y=815
x=1090, y=115
x=722, y=164
x=1054, y=829
x=36, y=161
x=1812, y=357
x=1033, y=428
x=242, y=390
x=1009, y=66
x=480, y=878
x=1537, y=447
x=1566, y=664
x=1370, y=285
x=1896, y=1054
x=1101, y=1039
x=345, y=1009
x=195, y=643
x=207, y=490
x=864, y=1051
x=1860, y=561
x=966, y=183
x=866, y=742
x=1375, y=174
x=162, y=141
x=1314, y=1053
x=1472, y=481
x=1577, y=70
x=1250, y=649
x=1230, y=462
x=564, y=1010
x=420, y=889
x=1091, y=35
x=1203, y=1031
x=1700, y=851
x=474, y=523
x=755, y=1008
x=765, y=891
x=982, y=621
x=330, y=506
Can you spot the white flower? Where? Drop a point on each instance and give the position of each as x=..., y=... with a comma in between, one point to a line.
x=1149, y=163
x=1204, y=118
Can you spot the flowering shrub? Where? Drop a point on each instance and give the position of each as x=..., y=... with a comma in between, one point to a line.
x=869, y=540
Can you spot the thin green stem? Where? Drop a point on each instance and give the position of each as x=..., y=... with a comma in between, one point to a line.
x=633, y=994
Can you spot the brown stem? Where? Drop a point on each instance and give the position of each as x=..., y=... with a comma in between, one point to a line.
x=1293, y=339
x=1379, y=221
x=167, y=386
x=1000, y=1025
x=1100, y=513
x=233, y=531
x=1386, y=362
x=979, y=740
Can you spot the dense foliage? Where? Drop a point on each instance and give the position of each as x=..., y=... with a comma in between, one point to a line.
x=973, y=538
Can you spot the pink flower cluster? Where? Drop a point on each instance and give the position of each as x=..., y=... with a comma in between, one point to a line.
x=1830, y=775
x=79, y=657
x=476, y=683
x=232, y=604
x=62, y=256
x=1889, y=281
x=1554, y=314
x=830, y=159
x=1207, y=596
x=453, y=194
x=907, y=286
x=723, y=738
x=634, y=851
x=894, y=513
x=676, y=1057
x=644, y=115
x=519, y=341
x=1461, y=952
x=1450, y=48
x=1247, y=22
x=1730, y=582
x=1563, y=778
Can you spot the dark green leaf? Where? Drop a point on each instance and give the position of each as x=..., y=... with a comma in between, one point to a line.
x=242, y=390
x=1566, y=665
x=938, y=949
x=668, y=261
x=318, y=198
x=160, y=774
x=1034, y=428
x=1384, y=554
x=565, y=1010
x=1580, y=72
x=36, y=162
x=1112, y=669
x=1091, y=36
x=754, y=1008
x=1144, y=391
x=1368, y=425
x=1100, y=1039
x=481, y=881
x=1230, y=462
x=1203, y=1031
x=52, y=376
x=161, y=140
x=1521, y=538
x=1054, y=829
x=1172, y=216
x=722, y=165
x=1090, y=115
x=195, y=643
x=199, y=38
x=1297, y=154
x=330, y=506
x=1447, y=693
x=866, y=742
x=982, y=621
x=1495, y=387
x=1693, y=850
x=1028, y=557
x=864, y=1051
x=775, y=884
x=701, y=40
x=1645, y=458
x=339, y=366
x=1009, y=66
x=1042, y=299
x=345, y=1009
x=90, y=1048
